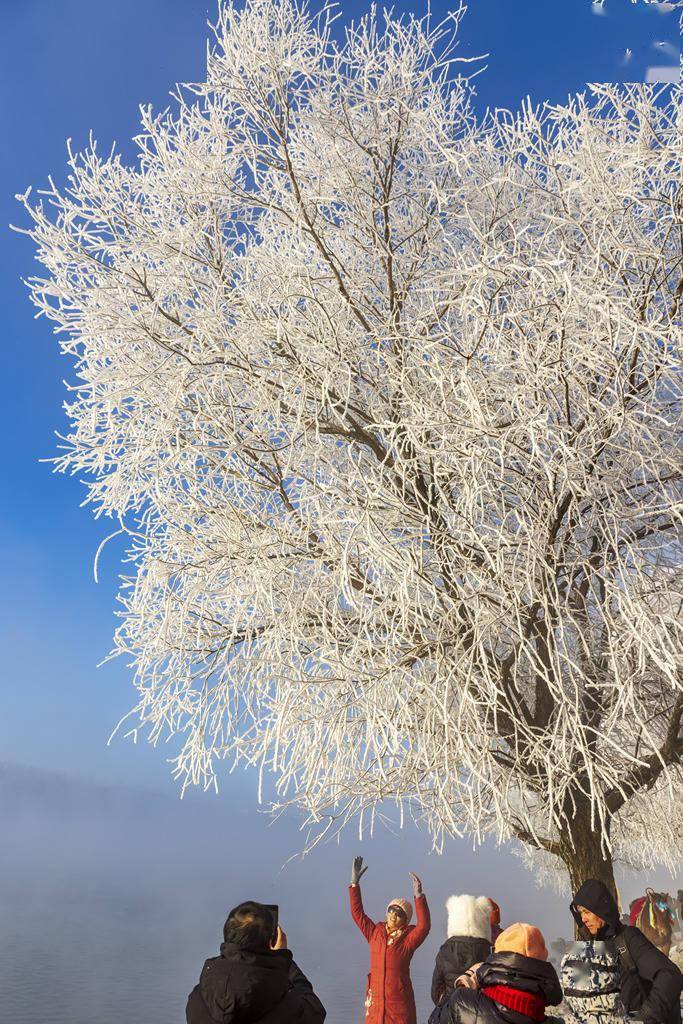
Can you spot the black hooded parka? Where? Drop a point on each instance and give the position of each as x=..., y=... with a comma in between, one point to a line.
x=243, y=986
x=467, y=1006
x=658, y=1000
x=456, y=956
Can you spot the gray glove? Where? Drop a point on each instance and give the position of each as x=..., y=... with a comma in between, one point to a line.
x=357, y=871
x=417, y=885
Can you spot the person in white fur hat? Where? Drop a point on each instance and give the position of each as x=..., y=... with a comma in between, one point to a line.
x=468, y=942
x=389, y=997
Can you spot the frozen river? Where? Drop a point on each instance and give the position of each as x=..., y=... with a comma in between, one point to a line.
x=111, y=898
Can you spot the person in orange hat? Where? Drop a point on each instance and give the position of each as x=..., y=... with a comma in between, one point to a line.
x=514, y=985
x=389, y=997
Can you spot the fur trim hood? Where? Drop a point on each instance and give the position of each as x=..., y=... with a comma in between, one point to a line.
x=469, y=915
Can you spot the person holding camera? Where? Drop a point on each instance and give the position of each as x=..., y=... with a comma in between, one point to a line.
x=255, y=979
x=389, y=997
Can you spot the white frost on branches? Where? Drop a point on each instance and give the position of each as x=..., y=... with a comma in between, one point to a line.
x=387, y=400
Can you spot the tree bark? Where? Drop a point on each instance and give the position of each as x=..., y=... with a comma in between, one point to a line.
x=582, y=851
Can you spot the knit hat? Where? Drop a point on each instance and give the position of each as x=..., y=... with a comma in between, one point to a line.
x=524, y=939
x=405, y=906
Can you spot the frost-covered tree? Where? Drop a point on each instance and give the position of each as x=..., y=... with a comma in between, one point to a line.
x=386, y=398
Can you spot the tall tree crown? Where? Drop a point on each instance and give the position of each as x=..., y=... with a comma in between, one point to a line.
x=387, y=398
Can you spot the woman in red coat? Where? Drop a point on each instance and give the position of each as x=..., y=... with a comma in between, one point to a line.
x=389, y=997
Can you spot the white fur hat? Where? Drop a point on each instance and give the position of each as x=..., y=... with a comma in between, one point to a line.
x=469, y=915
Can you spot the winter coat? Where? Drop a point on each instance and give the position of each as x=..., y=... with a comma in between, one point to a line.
x=245, y=987
x=589, y=975
x=467, y=1006
x=389, y=997
x=454, y=958
x=468, y=942
x=658, y=1001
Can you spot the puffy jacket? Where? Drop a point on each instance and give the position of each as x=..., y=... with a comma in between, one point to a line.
x=589, y=975
x=455, y=957
x=466, y=1006
x=658, y=1002
x=242, y=986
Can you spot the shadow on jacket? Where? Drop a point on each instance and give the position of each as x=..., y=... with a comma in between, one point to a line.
x=245, y=987
x=522, y=976
x=657, y=1001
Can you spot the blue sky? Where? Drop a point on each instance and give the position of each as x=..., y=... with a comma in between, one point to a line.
x=73, y=66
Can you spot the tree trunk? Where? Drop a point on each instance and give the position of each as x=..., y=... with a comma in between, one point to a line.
x=582, y=851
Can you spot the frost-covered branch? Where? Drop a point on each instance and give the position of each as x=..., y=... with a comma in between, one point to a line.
x=389, y=399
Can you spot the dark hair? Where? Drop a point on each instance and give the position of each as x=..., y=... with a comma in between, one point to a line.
x=249, y=926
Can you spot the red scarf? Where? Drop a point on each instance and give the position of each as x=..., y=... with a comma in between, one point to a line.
x=523, y=1002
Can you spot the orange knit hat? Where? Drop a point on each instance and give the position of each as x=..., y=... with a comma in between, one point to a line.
x=524, y=939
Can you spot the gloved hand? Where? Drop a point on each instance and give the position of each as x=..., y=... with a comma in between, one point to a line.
x=357, y=871
x=417, y=885
x=469, y=978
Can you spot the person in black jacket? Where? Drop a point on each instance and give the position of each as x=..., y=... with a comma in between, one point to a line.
x=514, y=985
x=254, y=980
x=468, y=942
x=650, y=983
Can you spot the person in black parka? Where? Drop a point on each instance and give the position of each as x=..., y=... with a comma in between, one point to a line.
x=514, y=985
x=468, y=942
x=650, y=983
x=254, y=980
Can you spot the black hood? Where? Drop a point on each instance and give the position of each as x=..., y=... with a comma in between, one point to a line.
x=523, y=972
x=596, y=897
x=468, y=942
x=262, y=959
x=241, y=985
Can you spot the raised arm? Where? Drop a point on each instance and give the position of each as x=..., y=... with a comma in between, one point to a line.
x=420, y=932
x=366, y=925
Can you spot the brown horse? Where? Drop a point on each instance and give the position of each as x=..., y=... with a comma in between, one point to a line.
x=653, y=914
